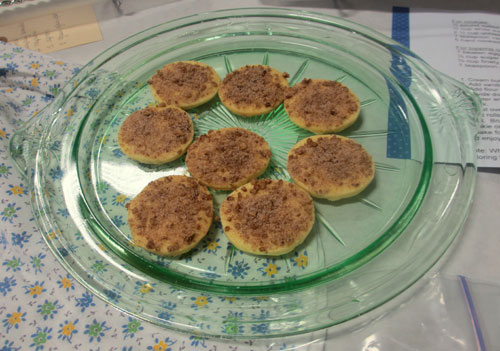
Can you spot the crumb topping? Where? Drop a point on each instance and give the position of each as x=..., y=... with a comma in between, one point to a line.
x=154, y=131
x=226, y=157
x=255, y=85
x=171, y=213
x=330, y=160
x=271, y=214
x=321, y=102
x=183, y=82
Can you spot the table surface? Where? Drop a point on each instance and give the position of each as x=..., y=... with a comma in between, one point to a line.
x=475, y=254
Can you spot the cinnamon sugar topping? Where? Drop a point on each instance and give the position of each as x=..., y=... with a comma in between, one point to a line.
x=254, y=87
x=228, y=158
x=270, y=218
x=325, y=162
x=184, y=83
x=321, y=105
x=154, y=132
x=170, y=215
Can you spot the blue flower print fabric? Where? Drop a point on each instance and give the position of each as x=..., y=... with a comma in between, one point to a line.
x=41, y=306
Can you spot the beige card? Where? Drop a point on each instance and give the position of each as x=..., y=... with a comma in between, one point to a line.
x=56, y=31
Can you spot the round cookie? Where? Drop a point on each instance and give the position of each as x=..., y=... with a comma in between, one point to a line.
x=253, y=90
x=321, y=106
x=267, y=217
x=330, y=166
x=186, y=84
x=227, y=158
x=156, y=135
x=170, y=215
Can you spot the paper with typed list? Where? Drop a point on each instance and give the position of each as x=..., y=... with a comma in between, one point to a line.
x=466, y=46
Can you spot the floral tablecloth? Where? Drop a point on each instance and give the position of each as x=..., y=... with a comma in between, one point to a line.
x=41, y=306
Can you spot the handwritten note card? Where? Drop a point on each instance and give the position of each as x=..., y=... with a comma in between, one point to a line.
x=56, y=31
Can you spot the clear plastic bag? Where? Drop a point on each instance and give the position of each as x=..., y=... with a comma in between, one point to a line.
x=442, y=313
x=439, y=313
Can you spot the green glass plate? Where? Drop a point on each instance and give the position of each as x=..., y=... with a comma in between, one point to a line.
x=416, y=123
